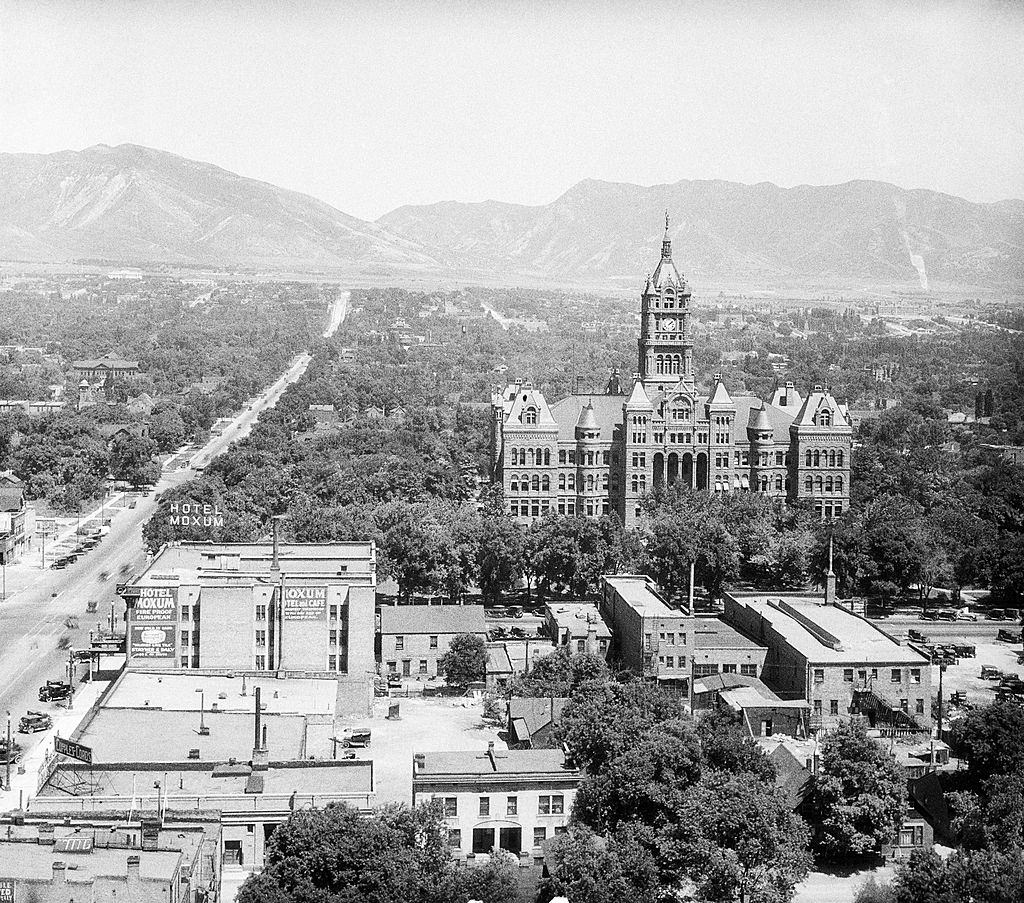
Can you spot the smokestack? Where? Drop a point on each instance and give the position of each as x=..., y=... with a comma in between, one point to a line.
x=275, y=562
x=258, y=735
x=264, y=738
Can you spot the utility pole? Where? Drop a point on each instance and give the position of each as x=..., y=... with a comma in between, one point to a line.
x=10, y=753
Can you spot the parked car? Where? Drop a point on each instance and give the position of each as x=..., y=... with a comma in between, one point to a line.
x=355, y=736
x=945, y=614
x=34, y=721
x=915, y=636
x=54, y=690
x=104, y=575
x=990, y=672
x=965, y=614
x=1013, y=614
x=514, y=611
x=995, y=614
x=1006, y=635
x=930, y=614
x=966, y=650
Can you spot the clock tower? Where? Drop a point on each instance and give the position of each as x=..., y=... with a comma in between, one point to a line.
x=666, y=338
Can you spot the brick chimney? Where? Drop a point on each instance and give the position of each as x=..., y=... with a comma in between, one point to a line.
x=134, y=869
x=60, y=872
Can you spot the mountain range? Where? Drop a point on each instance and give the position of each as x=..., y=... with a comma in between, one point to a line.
x=135, y=204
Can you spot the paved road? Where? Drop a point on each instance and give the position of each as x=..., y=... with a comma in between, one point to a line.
x=338, y=313
x=32, y=619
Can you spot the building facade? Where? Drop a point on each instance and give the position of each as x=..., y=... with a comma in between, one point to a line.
x=596, y=455
x=837, y=661
x=302, y=607
x=414, y=637
x=511, y=800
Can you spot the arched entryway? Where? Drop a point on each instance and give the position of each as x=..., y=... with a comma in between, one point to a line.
x=687, y=476
x=673, y=468
x=702, y=471
x=659, y=470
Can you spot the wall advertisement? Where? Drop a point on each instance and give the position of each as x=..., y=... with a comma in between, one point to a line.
x=154, y=622
x=305, y=603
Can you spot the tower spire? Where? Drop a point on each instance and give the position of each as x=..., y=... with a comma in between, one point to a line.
x=666, y=242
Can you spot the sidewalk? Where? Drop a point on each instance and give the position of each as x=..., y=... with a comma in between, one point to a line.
x=25, y=775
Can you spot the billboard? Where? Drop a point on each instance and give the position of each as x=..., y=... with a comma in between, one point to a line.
x=304, y=603
x=72, y=750
x=153, y=641
x=7, y=886
x=154, y=622
x=195, y=514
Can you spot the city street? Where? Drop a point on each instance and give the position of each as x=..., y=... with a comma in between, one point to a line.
x=42, y=603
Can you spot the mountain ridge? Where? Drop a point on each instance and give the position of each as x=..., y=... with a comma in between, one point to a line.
x=131, y=203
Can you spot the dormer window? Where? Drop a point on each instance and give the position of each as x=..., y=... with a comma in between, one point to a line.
x=530, y=416
x=825, y=418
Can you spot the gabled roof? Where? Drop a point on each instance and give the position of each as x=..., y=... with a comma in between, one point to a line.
x=517, y=399
x=817, y=400
x=529, y=715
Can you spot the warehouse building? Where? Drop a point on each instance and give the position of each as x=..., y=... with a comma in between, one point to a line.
x=414, y=637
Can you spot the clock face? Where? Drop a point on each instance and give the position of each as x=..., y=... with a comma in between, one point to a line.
x=669, y=325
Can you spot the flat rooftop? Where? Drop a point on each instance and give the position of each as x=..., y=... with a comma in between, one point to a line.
x=190, y=561
x=712, y=633
x=576, y=618
x=123, y=735
x=178, y=691
x=195, y=786
x=480, y=763
x=640, y=594
x=829, y=634
x=35, y=861
x=432, y=619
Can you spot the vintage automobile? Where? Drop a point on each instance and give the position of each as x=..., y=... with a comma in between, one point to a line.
x=34, y=721
x=355, y=736
x=990, y=672
x=1008, y=635
x=54, y=690
x=915, y=636
x=10, y=755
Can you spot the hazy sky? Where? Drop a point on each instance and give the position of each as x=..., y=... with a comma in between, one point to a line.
x=373, y=105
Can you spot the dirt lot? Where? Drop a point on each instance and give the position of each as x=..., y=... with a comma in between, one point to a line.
x=425, y=725
x=965, y=677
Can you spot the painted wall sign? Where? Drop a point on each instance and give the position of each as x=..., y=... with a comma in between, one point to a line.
x=305, y=603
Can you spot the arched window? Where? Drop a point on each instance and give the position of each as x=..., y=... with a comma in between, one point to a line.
x=515, y=457
x=530, y=453
x=778, y=482
x=808, y=486
x=561, y=456
x=817, y=459
x=572, y=481
x=540, y=456
x=825, y=418
x=530, y=416
x=590, y=458
x=839, y=459
x=535, y=483
x=817, y=485
x=634, y=484
x=604, y=481
x=513, y=485
x=547, y=456
x=659, y=363
x=590, y=482
x=546, y=483
x=839, y=485
x=828, y=485
x=832, y=458
x=808, y=457
x=561, y=481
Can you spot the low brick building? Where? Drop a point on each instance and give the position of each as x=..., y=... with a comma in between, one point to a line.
x=512, y=800
x=836, y=660
x=414, y=637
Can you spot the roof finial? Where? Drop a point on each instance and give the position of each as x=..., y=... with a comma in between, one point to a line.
x=666, y=222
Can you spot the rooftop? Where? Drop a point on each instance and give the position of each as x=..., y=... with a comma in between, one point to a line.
x=529, y=715
x=177, y=691
x=536, y=762
x=433, y=619
x=641, y=594
x=167, y=736
x=830, y=634
x=712, y=633
x=36, y=861
x=192, y=561
x=576, y=617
